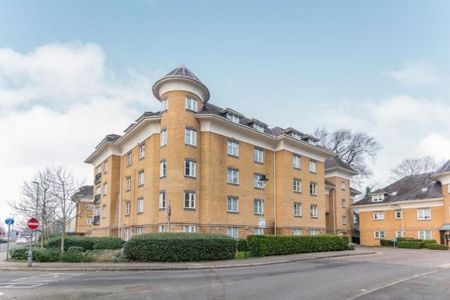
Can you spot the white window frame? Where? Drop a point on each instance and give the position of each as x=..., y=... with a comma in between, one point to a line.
x=313, y=188
x=343, y=203
x=421, y=216
x=297, y=231
x=233, y=118
x=378, y=215
x=232, y=176
x=103, y=211
x=140, y=205
x=128, y=234
x=162, y=200
x=258, y=207
x=314, y=211
x=127, y=208
x=296, y=161
x=189, y=228
x=128, y=183
x=161, y=228
x=105, y=189
x=257, y=182
x=163, y=138
x=189, y=199
x=105, y=166
x=164, y=104
x=141, y=178
x=297, y=185
x=344, y=220
x=298, y=209
x=191, y=104
x=312, y=166
x=423, y=234
x=258, y=155
x=377, y=197
x=190, y=168
x=141, y=151
x=233, y=232
x=258, y=127
x=313, y=232
x=259, y=231
x=89, y=220
x=233, y=148
x=232, y=204
x=190, y=137
x=90, y=207
x=397, y=215
x=139, y=230
x=129, y=158
x=378, y=235
x=162, y=169
x=399, y=234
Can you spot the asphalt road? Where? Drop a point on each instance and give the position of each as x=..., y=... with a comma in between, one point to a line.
x=392, y=274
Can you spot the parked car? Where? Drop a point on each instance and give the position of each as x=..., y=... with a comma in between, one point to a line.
x=21, y=241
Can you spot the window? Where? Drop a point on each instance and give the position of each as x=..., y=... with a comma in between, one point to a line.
x=105, y=188
x=313, y=188
x=233, y=232
x=296, y=161
x=313, y=232
x=161, y=228
x=128, y=183
x=189, y=199
x=343, y=204
x=313, y=166
x=89, y=221
x=191, y=104
x=127, y=208
x=297, y=186
x=377, y=197
x=343, y=185
x=378, y=234
x=258, y=207
x=97, y=211
x=105, y=166
x=141, y=178
x=314, y=213
x=190, y=137
x=142, y=151
x=98, y=169
x=399, y=234
x=163, y=137
x=127, y=234
x=258, y=155
x=424, y=235
x=98, y=190
x=398, y=214
x=140, y=205
x=232, y=204
x=298, y=209
x=295, y=135
x=189, y=228
x=233, y=148
x=259, y=231
x=257, y=182
x=162, y=200
x=378, y=215
x=189, y=168
x=233, y=118
x=162, y=169
x=258, y=127
x=297, y=231
x=129, y=159
x=90, y=207
x=139, y=230
x=164, y=104
x=344, y=220
x=233, y=176
x=423, y=214
x=104, y=211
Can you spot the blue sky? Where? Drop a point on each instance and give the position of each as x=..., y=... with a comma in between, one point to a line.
x=379, y=66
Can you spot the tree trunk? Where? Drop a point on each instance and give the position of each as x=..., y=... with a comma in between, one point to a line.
x=63, y=235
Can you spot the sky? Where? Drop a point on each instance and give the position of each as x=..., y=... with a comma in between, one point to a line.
x=73, y=71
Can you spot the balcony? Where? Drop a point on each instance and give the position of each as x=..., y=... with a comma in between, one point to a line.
x=98, y=178
x=97, y=199
x=96, y=220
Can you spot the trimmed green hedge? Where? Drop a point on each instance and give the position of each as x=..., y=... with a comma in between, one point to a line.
x=19, y=254
x=172, y=247
x=242, y=245
x=87, y=243
x=436, y=247
x=267, y=245
x=386, y=243
x=410, y=244
x=45, y=255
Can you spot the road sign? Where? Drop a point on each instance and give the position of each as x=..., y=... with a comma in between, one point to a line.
x=33, y=224
x=9, y=221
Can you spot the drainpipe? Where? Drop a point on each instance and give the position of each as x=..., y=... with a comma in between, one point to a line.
x=119, y=228
x=274, y=193
x=334, y=211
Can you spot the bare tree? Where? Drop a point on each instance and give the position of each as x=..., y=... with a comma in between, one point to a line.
x=356, y=149
x=414, y=166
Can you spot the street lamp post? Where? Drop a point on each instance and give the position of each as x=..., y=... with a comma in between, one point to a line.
x=263, y=180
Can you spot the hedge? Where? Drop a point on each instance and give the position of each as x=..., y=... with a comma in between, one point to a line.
x=19, y=253
x=410, y=244
x=173, y=247
x=242, y=245
x=436, y=247
x=386, y=243
x=86, y=243
x=267, y=245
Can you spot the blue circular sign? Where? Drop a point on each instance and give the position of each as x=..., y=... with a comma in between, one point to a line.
x=9, y=221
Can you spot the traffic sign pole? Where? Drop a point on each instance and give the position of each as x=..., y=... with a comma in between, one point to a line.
x=8, y=222
x=33, y=224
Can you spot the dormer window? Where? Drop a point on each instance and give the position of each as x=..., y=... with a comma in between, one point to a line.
x=394, y=193
x=233, y=118
x=295, y=135
x=258, y=127
x=377, y=197
x=425, y=189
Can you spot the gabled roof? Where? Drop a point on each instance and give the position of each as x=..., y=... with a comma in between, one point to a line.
x=413, y=187
x=110, y=138
x=335, y=162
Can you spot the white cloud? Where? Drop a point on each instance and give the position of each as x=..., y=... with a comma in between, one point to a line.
x=405, y=126
x=56, y=104
x=416, y=74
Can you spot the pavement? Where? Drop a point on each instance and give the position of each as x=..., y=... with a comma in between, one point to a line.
x=388, y=274
x=249, y=262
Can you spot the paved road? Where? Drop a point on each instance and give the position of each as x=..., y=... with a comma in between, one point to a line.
x=392, y=274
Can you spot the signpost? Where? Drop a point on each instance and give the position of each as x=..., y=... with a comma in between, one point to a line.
x=32, y=224
x=8, y=222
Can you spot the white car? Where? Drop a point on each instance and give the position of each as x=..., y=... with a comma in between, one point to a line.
x=21, y=241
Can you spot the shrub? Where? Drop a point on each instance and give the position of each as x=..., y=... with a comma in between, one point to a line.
x=87, y=243
x=386, y=243
x=408, y=239
x=410, y=244
x=19, y=253
x=268, y=245
x=45, y=255
x=179, y=247
x=75, y=249
x=74, y=257
x=428, y=242
x=108, y=243
x=242, y=245
x=436, y=246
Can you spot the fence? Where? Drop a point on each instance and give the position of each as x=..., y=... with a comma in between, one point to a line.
x=3, y=247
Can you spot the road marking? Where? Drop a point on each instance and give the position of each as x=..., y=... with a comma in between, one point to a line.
x=37, y=280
